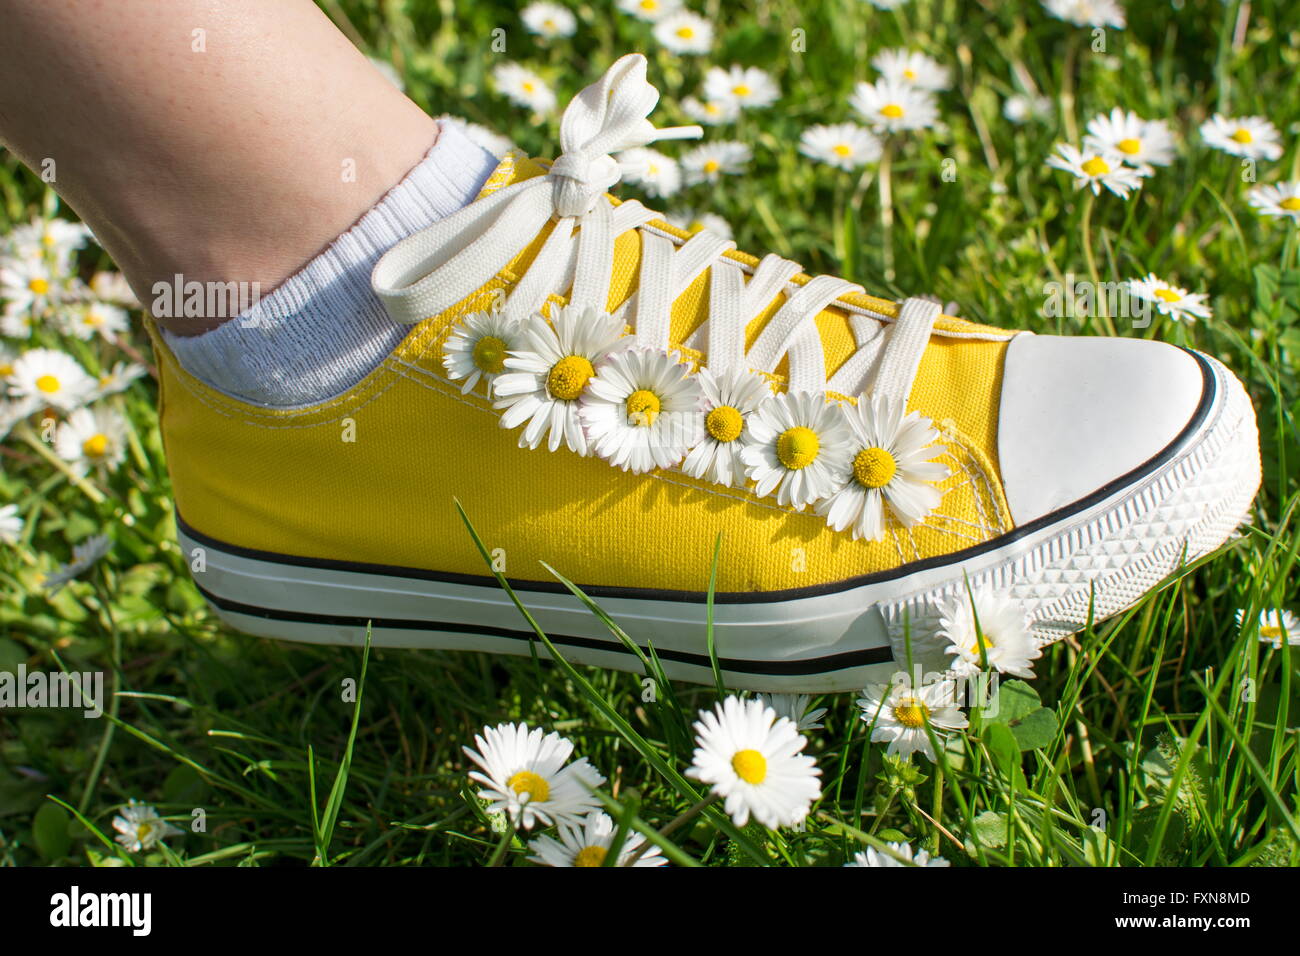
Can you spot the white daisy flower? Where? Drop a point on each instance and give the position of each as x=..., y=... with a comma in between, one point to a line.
x=1002, y=637
x=898, y=714
x=113, y=287
x=84, y=557
x=649, y=10
x=684, y=32
x=118, y=379
x=1096, y=170
x=1087, y=13
x=799, y=446
x=873, y=857
x=846, y=146
x=11, y=524
x=546, y=376
x=1143, y=144
x=480, y=135
x=523, y=87
x=794, y=707
x=56, y=240
x=890, y=107
x=712, y=112
x=747, y=87
x=712, y=161
x=524, y=774
x=92, y=439
x=641, y=410
x=1019, y=108
x=16, y=322
x=50, y=377
x=28, y=286
x=1275, y=627
x=889, y=466
x=659, y=175
x=751, y=758
x=1252, y=137
x=478, y=347
x=1280, y=200
x=588, y=844
x=140, y=827
x=1178, y=304
x=549, y=20
x=694, y=222
x=85, y=321
x=908, y=67
x=729, y=400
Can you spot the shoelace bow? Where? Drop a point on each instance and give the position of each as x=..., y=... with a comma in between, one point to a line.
x=433, y=270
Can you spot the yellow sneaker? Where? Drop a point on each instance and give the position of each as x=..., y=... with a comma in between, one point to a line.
x=608, y=394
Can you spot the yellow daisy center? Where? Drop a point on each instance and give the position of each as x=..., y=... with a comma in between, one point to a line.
x=842, y=149
x=91, y=318
x=643, y=407
x=6, y=370
x=548, y=24
x=874, y=467
x=713, y=109
x=568, y=377
x=797, y=447
x=724, y=423
x=909, y=74
x=590, y=856
x=38, y=285
x=686, y=33
x=529, y=783
x=892, y=111
x=712, y=165
x=986, y=642
x=1291, y=204
x=1096, y=167
x=911, y=712
x=1167, y=295
x=143, y=831
x=750, y=766
x=1130, y=146
x=96, y=446
x=649, y=5
x=741, y=89
x=49, y=384
x=529, y=86
x=490, y=354
x=48, y=240
x=1272, y=632
x=1243, y=136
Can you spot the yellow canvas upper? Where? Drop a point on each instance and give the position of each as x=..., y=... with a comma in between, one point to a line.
x=369, y=475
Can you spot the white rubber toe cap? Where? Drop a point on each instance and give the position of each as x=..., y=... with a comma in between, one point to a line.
x=1079, y=412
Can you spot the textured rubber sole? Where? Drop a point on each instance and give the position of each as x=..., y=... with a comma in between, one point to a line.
x=1098, y=557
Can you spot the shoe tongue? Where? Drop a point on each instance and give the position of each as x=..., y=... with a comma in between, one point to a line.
x=515, y=168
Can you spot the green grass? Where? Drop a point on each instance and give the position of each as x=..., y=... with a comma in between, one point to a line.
x=1171, y=737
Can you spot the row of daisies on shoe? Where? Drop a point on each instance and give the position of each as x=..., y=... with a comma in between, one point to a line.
x=748, y=752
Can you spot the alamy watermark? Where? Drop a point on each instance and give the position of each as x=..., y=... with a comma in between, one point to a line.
x=23, y=689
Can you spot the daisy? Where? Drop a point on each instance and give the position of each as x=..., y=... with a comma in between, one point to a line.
x=478, y=348
x=657, y=174
x=1280, y=200
x=684, y=32
x=898, y=714
x=549, y=20
x=750, y=758
x=846, y=146
x=1170, y=300
x=890, y=107
x=1002, y=641
x=480, y=135
x=84, y=557
x=794, y=707
x=524, y=774
x=50, y=377
x=1095, y=170
x=1252, y=137
x=11, y=524
x=545, y=377
x=649, y=10
x=1087, y=13
x=588, y=845
x=16, y=323
x=729, y=399
x=873, y=857
x=27, y=285
x=523, y=87
x=641, y=410
x=694, y=222
x=1142, y=144
x=907, y=67
x=1275, y=627
x=56, y=240
x=85, y=321
x=746, y=87
x=118, y=379
x=140, y=827
x=710, y=162
x=799, y=446
x=889, y=466
x=113, y=287
x=712, y=112
x=92, y=439
x=1019, y=108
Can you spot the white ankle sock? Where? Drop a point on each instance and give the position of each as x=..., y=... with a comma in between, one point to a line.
x=323, y=330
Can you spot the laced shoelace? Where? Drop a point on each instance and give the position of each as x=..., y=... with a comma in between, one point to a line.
x=439, y=267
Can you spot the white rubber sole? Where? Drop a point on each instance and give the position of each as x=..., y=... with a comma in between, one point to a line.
x=1101, y=554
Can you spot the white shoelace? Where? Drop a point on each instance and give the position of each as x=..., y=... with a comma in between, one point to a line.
x=433, y=270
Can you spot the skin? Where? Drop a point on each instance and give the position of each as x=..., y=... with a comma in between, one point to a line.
x=225, y=163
